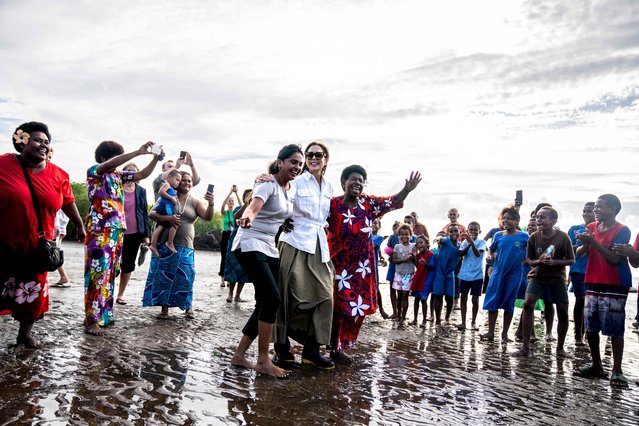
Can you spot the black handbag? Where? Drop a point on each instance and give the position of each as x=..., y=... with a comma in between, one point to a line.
x=46, y=256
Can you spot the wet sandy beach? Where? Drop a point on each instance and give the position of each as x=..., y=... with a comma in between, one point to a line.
x=177, y=371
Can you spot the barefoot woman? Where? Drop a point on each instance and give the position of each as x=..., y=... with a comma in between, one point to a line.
x=254, y=247
x=24, y=293
x=105, y=227
x=351, y=248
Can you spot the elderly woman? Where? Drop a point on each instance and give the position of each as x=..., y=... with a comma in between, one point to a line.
x=254, y=247
x=24, y=293
x=352, y=253
x=105, y=227
x=136, y=214
x=171, y=275
x=306, y=272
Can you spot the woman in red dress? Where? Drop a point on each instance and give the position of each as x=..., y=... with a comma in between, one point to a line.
x=351, y=247
x=23, y=293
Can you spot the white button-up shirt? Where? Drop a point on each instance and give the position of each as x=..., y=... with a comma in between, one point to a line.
x=310, y=211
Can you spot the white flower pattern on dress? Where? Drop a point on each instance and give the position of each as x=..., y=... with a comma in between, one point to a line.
x=360, y=202
x=343, y=280
x=359, y=307
x=348, y=217
x=367, y=227
x=27, y=292
x=363, y=268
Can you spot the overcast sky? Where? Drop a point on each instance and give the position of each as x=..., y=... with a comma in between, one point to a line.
x=483, y=98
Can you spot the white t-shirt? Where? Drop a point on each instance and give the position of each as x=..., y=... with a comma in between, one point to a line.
x=278, y=205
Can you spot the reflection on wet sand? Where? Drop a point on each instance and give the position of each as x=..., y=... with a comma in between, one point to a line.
x=176, y=371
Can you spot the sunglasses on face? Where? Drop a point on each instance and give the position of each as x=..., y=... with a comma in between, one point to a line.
x=316, y=155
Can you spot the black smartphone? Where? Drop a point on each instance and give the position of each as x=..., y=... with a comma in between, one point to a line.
x=210, y=188
x=182, y=155
x=519, y=197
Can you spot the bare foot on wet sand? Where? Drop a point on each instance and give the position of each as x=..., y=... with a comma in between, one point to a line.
x=561, y=353
x=267, y=367
x=242, y=362
x=93, y=329
x=487, y=337
x=28, y=341
x=521, y=353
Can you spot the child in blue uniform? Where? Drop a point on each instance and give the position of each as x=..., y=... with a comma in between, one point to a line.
x=509, y=251
x=444, y=284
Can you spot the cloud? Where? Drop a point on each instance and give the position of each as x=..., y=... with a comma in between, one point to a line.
x=610, y=102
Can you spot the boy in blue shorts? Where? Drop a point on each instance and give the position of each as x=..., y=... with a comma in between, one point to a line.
x=444, y=284
x=471, y=273
x=607, y=280
x=578, y=272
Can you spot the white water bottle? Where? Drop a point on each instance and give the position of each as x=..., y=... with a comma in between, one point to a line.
x=550, y=251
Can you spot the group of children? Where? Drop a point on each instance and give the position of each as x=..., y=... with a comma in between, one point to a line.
x=527, y=266
x=453, y=268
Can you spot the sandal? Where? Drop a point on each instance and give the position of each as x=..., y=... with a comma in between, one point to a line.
x=591, y=373
x=162, y=316
x=189, y=315
x=121, y=301
x=61, y=284
x=618, y=380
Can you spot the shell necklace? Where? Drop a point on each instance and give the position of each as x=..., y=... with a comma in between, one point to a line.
x=180, y=210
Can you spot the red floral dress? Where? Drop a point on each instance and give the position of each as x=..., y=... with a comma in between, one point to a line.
x=352, y=253
x=26, y=295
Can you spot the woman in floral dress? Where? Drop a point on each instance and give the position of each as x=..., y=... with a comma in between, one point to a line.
x=352, y=253
x=105, y=229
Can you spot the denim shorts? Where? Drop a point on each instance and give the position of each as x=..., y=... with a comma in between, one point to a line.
x=605, y=314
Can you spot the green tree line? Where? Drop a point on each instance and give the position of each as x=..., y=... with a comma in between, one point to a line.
x=204, y=231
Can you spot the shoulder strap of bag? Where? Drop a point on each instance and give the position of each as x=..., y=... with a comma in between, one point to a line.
x=34, y=199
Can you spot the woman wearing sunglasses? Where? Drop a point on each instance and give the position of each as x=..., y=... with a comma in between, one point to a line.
x=306, y=272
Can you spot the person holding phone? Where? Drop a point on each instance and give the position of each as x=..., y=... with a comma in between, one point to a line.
x=167, y=166
x=105, y=229
x=228, y=224
x=171, y=275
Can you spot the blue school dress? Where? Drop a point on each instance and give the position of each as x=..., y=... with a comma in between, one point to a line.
x=507, y=273
x=447, y=260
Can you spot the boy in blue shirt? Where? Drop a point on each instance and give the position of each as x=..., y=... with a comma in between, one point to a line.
x=578, y=272
x=447, y=260
x=471, y=273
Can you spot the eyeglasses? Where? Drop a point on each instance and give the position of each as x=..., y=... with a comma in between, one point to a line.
x=316, y=155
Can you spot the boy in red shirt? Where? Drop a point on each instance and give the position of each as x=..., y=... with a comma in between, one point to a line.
x=607, y=282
